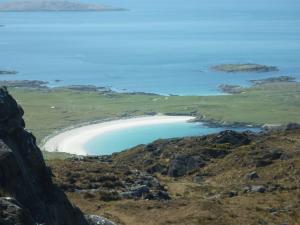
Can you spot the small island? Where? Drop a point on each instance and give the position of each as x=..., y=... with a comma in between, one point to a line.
x=248, y=67
x=30, y=6
x=8, y=72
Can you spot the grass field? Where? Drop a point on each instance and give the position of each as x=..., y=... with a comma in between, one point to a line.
x=52, y=110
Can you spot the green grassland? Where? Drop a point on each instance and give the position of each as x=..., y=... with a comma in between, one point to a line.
x=48, y=111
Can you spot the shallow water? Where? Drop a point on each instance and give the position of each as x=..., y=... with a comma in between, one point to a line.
x=116, y=141
x=165, y=47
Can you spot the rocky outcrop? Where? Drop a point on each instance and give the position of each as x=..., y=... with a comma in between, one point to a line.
x=233, y=138
x=11, y=212
x=28, y=196
x=182, y=164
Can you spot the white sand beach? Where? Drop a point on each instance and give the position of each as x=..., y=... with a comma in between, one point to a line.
x=73, y=141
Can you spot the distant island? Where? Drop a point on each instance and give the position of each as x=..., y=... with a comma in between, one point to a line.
x=248, y=67
x=8, y=72
x=23, y=6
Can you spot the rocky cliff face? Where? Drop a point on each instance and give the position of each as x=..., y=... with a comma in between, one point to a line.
x=27, y=194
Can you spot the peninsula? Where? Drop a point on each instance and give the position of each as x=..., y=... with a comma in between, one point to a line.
x=23, y=6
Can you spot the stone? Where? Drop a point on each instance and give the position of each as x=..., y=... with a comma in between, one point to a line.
x=232, y=194
x=232, y=137
x=258, y=188
x=183, y=164
x=98, y=220
x=252, y=175
x=160, y=195
x=272, y=155
x=136, y=192
x=11, y=212
x=157, y=168
x=263, y=163
x=293, y=126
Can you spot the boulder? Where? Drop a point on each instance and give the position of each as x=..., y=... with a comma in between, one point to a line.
x=183, y=164
x=160, y=195
x=98, y=220
x=258, y=188
x=12, y=213
x=263, y=163
x=233, y=138
x=157, y=168
x=293, y=126
x=136, y=192
x=251, y=176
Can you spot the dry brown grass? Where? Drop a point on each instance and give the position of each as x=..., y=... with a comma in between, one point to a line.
x=207, y=202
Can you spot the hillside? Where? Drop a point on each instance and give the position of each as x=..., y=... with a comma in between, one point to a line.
x=227, y=178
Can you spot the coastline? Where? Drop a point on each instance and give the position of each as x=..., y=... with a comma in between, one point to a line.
x=72, y=141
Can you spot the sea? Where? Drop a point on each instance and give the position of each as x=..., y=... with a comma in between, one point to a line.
x=160, y=46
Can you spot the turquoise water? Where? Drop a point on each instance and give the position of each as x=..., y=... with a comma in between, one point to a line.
x=161, y=46
x=117, y=141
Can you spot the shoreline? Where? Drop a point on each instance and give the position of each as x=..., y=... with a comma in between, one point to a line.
x=72, y=141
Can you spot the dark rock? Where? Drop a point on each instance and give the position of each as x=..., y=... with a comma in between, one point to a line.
x=98, y=220
x=24, y=175
x=136, y=192
x=252, y=175
x=215, y=153
x=263, y=163
x=150, y=147
x=272, y=155
x=108, y=196
x=183, y=164
x=157, y=168
x=272, y=210
x=293, y=126
x=12, y=213
x=285, y=157
x=258, y=188
x=160, y=195
x=232, y=137
x=232, y=194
